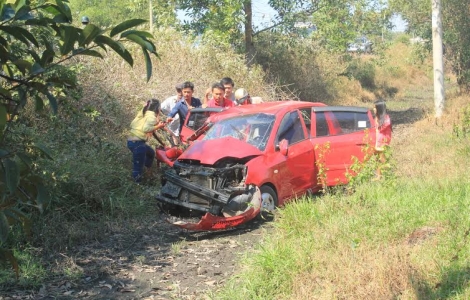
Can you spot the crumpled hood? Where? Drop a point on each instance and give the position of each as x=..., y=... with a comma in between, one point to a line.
x=210, y=151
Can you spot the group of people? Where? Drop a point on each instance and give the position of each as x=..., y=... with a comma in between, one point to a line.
x=175, y=108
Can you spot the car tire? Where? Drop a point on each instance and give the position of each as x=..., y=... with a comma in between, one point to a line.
x=268, y=203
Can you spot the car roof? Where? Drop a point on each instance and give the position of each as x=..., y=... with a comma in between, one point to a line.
x=272, y=107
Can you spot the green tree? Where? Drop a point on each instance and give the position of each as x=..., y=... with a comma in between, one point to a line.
x=337, y=21
x=36, y=40
x=455, y=23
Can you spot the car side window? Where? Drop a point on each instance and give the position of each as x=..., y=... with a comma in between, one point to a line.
x=291, y=128
x=196, y=120
x=306, y=114
x=352, y=121
x=321, y=124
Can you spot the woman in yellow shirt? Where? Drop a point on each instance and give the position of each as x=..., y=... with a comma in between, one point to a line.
x=142, y=127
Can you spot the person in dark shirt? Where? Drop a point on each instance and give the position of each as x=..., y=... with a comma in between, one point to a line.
x=185, y=104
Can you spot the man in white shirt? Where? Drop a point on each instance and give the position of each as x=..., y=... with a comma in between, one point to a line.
x=167, y=106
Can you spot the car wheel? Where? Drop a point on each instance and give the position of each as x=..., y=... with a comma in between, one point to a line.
x=268, y=203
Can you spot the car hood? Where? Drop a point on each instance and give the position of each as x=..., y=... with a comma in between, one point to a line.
x=210, y=151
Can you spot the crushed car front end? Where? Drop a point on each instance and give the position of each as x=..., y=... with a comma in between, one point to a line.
x=217, y=195
x=208, y=182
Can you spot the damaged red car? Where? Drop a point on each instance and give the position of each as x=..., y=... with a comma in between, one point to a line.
x=253, y=158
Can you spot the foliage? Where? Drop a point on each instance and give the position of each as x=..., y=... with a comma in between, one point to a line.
x=320, y=163
x=462, y=130
x=337, y=21
x=455, y=24
x=34, y=42
x=111, y=12
x=363, y=71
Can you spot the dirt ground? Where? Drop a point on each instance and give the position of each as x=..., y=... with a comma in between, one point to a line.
x=152, y=259
x=149, y=260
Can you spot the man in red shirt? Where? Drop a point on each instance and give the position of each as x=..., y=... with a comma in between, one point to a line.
x=218, y=98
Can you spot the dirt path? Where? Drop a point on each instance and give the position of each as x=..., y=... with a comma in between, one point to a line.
x=148, y=260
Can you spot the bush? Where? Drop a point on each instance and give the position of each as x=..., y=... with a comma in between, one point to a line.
x=363, y=71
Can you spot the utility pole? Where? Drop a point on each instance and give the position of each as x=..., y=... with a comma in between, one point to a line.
x=151, y=15
x=438, y=62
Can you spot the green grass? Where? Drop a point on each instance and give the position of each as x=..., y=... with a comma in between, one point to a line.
x=375, y=217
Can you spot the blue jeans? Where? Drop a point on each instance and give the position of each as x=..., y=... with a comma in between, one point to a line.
x=142, y=155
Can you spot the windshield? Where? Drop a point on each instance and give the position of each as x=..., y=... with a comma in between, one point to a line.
x=254, y=129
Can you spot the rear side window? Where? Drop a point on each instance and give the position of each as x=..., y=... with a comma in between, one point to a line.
x=350, y=121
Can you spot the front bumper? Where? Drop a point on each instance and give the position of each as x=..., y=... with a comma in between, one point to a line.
x=221, y=207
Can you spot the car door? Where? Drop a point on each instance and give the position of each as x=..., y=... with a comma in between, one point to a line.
x=340, y=134
x=195, y=120
x=296, y=166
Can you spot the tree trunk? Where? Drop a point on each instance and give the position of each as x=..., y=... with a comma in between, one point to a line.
x=249, y=46
x=439, y=93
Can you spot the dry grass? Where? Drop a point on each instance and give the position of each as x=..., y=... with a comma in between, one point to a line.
x=357, y=273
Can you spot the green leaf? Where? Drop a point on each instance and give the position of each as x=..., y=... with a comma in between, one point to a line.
x=4, y=54
x=4, y=227
x=8, y=12
x=7, y=255
x=7, y=70
x=126, y=25
x=12, y=174
x=20, y=34
x=39, y=103
x=3, y=119
x=23, y=65
x=35, y=55
x=19, y=4
x=25, y=159
x=42, y=197
x=141, y=42
x=60, y=18
x=47, y=57
x=4, y=153
x=43, y=149
x=82, y=51
x=116, y=46
x=37, y=69
x=144, y=34
x=5, y=93
x=24, y=13
x=52, y=101
x=64, y=10
x=19, y=217
x=69, y=37
x=148, y=63
x=90, y=32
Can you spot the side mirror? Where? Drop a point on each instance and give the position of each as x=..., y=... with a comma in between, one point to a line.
x=283, y=146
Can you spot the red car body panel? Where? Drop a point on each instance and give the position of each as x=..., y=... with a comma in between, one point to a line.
x=209, y=152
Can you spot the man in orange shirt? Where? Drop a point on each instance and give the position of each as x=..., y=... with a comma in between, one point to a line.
x=218, y=98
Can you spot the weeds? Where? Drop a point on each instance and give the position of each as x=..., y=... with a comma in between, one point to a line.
x=320, y=163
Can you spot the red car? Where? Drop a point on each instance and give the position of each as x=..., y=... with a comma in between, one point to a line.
x=254, y=158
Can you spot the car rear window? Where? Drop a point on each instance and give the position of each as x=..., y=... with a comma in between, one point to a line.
x=350, y=121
